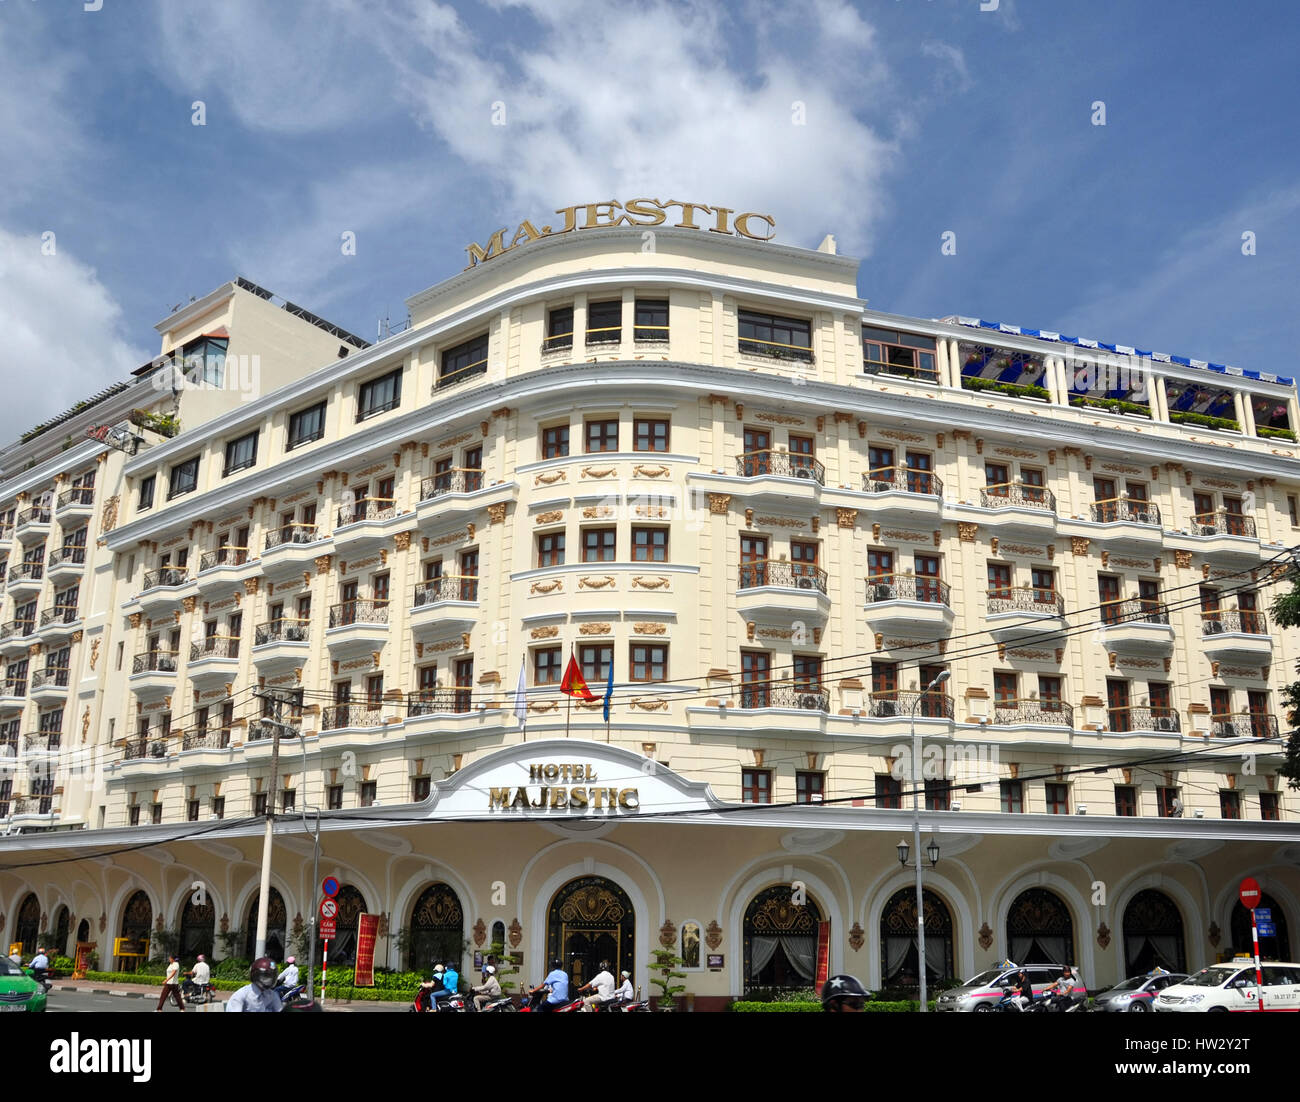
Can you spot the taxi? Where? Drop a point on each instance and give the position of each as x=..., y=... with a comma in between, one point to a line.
x=19, y=993
x=1233, y=988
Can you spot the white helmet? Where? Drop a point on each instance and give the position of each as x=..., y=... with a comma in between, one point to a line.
x=490, y=970
x=437, y=969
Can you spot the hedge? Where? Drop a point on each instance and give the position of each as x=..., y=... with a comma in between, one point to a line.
x=382, y=993
x=1188, y=418
x=1015, y=390
x=1114, y=405
x=1275, y=434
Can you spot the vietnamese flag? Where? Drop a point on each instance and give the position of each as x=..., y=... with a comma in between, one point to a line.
x=573, y=683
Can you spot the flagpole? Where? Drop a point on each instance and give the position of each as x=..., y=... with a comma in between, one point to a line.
x=568, y=714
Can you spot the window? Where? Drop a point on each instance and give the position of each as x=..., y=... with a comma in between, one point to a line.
x=649, y=662
x=1058, y=799
x=602, y=436
x=192, y=811
x=464, y=361
x=889, y=791
x=379, y=395
x=595, y=661
x=334, y=797
x=650, y=436
x=218, y=807
x=1125, y=799
x=1229, y=804
x=548, y=666
x=651, y=320
x=464, y=674
x=755, y=786
x=559, y=329
x=809, y=788
x=605, y=322
x=997, y=479
x=755, y=674
x=649, y=544
x=241, y=453
x=133, y=815
x=1049, y=692
x=259, y=803
x=550, y=549
x=1108, y=597
x=769, y=335
x=305, y=426
x=205, y=359
x=895, y=353
x=1005, y=688
x=1013, y=797
x=555, y=442
x=155, y=813
x=288, y=799
x=938, y=793
x=420, y=788
x=1170, y=806
x=184, y=477
x=368, y=790
x=146, y=493
x=1043, y=581
x=598, y=545
x=1293, y=510
x=1268, y=806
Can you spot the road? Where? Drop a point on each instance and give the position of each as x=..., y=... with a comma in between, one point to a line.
x=88, y=1002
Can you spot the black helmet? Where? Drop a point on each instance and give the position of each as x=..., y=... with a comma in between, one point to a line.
x=262, y=974
x=556, y=962
x=841, y=992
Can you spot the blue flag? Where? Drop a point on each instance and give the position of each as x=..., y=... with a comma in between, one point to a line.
x=609, y=690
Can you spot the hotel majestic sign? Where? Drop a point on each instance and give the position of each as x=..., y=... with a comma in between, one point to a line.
x=567, y=786
x=635, y=212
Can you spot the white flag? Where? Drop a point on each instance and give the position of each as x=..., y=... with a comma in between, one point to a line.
x=521, y=700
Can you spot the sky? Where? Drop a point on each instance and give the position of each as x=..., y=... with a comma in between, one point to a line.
x=1126, y=170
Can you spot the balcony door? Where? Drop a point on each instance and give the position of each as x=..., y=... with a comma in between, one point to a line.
x=758, y=452
x=1117, y=702
x=918, y=473
x=927, y=579
x=753, y=561
x=348, y=603
x=756, y=673
x=803, y=559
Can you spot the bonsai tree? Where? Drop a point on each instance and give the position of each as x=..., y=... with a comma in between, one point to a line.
x=665, y=962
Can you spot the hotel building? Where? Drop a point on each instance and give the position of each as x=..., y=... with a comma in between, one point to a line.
x=704, y=463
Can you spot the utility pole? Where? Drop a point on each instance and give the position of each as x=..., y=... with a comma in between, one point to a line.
x=264, y=896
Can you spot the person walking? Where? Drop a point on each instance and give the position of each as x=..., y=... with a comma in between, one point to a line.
x=171, y=985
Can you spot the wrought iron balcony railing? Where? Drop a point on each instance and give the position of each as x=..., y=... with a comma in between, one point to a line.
x=448, y=700
x=206, y=738
x=35, y=515
x=138, y=748
x=78, y=495
x=907, y=587
x=155, y=661
x=1243, y=725
x=450, y=587
x=165, y=576
x=451, y=378
x=60, y=614
x=32, y=805
x=56, y=676
x=16, y=629
x=771, y=572
x=291, y=533
x=352, y=714
x=881, y=367
x=283, y=630
x=557, y=342
x=1133, y=610
x=1117, y=509
x=1246, y=621
x=1223, y=523
x=1003, y=494
x=358, y=612
x=1026, y=598
x=215, y=646
x=1142, y=718
x=885, y=703
x=47, y=741
x=458, y=480
x=370, y=508
x=1052, y=713
x=907, y=479
x=13, y=686
x=776, y=350
x=783, y=464
x=224, y=556
x=27, y=571
x=809, y=696
x=72, y=553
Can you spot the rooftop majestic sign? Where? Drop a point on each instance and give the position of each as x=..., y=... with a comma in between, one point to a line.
x=635, y=212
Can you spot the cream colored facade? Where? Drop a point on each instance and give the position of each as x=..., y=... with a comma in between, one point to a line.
x=409, y=553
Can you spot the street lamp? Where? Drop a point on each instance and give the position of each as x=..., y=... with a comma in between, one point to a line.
x=916, y=833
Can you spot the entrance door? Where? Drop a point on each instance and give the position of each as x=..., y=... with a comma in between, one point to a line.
x=591, y=920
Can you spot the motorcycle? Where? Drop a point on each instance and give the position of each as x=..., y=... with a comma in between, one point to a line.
x=196, y=993
x=297, y=998
x=536, y=998
x=41, y=976
x=1010, y=1003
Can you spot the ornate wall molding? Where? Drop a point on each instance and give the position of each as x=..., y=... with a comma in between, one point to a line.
x=782, y=522
x=594, y=629
x=640, y=582
x=555, y=585
x=598, y=472
x=649, y=629
x=650, y=472
x=846, y=518
x=719, y=504
x=554, y=516
x=605, y=582
x=549, y=478
x=545, y=632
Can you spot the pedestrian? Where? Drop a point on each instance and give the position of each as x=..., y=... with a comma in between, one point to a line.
x=171, y=985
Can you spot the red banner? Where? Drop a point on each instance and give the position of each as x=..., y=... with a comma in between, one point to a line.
x=823, y=954
x=367, y=931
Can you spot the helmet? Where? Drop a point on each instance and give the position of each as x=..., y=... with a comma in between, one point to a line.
x=625, y=975
x=438, y=969
x=201, y=957
x=490, y=970
x=291, y=960
x=604, y=965
x=841, y=992
x=262, y=973
x=556, y=962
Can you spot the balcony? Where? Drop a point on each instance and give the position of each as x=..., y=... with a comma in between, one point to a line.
x=1025, y=614
x=1243, y=725
x=1127, y=718
x=1020, y=508
x=441, y=701
x=50, y=685
x=365, y=525
x=771, y=589
x=458, y=480
x=1128, y=525
x=892, y=703
x=1236, y=635
x=904, y=495
x=919, y=607
x=281, y=643
x=76, y=502
x=32, y=807
x=58, y=622
x=1136, y=627
x=43, y=743
x=261, y=730
x=358, y=625
x=1033, y=713
x=33, y=522
x=162, y=590
x=15, y=637
x=223, y=566
x=1225, y=539
x=780, y=477
x=215, y=657
x=26, y=578
x=13, y=693
x=338, y=717
x=292, y=549
x=810, y=696
x=449, y=601
x=143, y=749
x=154, y=672
x=206, y=738
x=65, y=562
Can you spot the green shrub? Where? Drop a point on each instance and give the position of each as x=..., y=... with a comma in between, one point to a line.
x=63, y=966
x=1115, y=405
x=1184, y=418
x=1275, y=434
x=1015, y=390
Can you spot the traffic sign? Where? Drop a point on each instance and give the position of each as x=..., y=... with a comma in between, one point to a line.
x=1263, y=914
x=330, y=886
x=1250, y=893
x=328, y=929
x=1266, y=929
x=329, y=908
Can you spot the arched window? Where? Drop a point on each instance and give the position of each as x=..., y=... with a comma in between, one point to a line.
x=83, y=931
x=137, y=925
x=589, y=920
x=352, y=905
x=437, y=928
x=1275, y=947
x=62, y=924
x=277, y=921
x=198, y=924
x=1040, y=929
x=780, y=939
x=899, y=943
x=28, y=928
x=1153, y=934
x=690, y=953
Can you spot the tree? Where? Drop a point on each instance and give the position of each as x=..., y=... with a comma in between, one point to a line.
x=1286, y=611
x=665, y=961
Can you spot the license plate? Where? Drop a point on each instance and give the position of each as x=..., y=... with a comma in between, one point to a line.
x=19, y=1007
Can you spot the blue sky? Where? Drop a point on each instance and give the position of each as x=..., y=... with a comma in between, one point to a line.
x=922, y=116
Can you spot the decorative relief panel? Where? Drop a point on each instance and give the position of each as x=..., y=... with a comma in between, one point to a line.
x=649, y=629
x=555, y=585
x=1024, y=549
x=554, y=516
x=781, y=522
x=594, y=629
x=606, y=582
x=1018, y=453
x=549, y=478
x=452, y=441
x=904, y=534
x=778, y=418
x=640, y=582
x=544, y=632
x=846, y=518
x=650, y=472
x=909, y=437
x=719, y=503
x=966, y=531
x=598, y=472
x=595, y=512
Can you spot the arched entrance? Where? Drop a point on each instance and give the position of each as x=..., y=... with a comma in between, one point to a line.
x=898, y=940
x=277, y=923
x=62, y=923
x=589, y=920
x=198, y=924
x=1153, y=934
x=1277, y=947
x=83, y=931
x=137, y=924
x=780, y=939
x=437, y=928
x=28, y=928
x=1040, y=929
x=352, y=905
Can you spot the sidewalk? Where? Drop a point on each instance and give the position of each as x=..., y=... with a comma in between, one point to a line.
x=150, y=991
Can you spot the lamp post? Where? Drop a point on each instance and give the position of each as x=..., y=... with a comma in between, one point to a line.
x=933, y=849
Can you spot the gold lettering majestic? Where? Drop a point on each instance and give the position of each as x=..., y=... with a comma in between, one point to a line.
x=610, y=213
x=544, y=794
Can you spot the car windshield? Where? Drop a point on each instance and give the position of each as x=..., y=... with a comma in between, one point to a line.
x=9, y=968
x=1131, y=985
x=984, y=979
x=1208, y=977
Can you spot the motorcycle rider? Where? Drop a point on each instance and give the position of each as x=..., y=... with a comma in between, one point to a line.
x=257, y=996
x=451, y=978
x=433, y=988
x=843, y=994
x=625, y=993
x=287, y=979
x=40, y=965
x=488, y=990
x=1026, y=988
x=557, y=981
x=1061, y=991
x=602, y=986
x=200, y=976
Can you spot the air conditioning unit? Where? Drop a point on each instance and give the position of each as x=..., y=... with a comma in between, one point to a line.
x=886, y=708
x=295, y=634
x=803, y=472
x=1206, y=530
x=805, y=582
x=810, y=701
x=1166, y=723
x=1212, y=627
x=883, y=593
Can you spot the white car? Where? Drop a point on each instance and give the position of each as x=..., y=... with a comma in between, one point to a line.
x=1225, y=988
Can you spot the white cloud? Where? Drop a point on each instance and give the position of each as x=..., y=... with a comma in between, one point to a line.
x=63, y=334
x=956, y=74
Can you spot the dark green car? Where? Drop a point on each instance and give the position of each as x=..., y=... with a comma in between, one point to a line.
x=18, y=991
